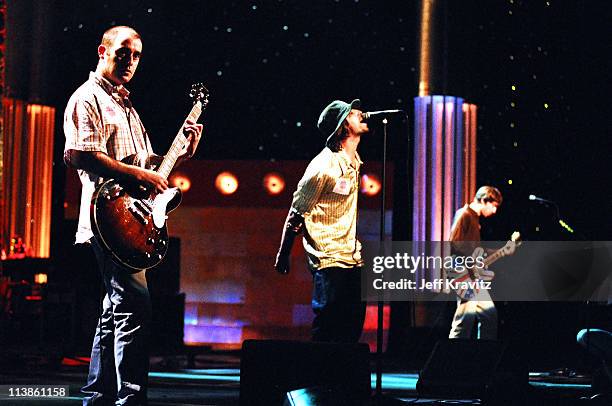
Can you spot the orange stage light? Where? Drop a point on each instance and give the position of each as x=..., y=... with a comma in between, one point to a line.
x=274, y=183
x=180, y=181
x=226, y=183
x=370, y=184
x=40, y=278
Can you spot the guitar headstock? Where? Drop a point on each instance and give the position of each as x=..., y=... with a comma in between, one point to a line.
x=515, y=241
x=199, y=93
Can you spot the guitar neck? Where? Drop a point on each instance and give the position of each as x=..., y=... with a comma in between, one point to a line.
x=179, y=143
x=495, y=256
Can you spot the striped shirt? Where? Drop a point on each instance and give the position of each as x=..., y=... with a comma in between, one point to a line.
x=327, y=198
x=100, y=117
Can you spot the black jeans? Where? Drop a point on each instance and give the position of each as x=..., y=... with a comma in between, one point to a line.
x=119, y=366
x=337, y=305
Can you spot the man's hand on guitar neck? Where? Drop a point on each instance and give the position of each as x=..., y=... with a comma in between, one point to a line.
x=193, y=132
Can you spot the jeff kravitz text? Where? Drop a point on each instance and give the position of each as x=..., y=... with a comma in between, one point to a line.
x=435, y=285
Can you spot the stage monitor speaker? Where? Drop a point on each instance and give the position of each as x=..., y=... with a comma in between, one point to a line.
x=475, y=369
x=271, y=368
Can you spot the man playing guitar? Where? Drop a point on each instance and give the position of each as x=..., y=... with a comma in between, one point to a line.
x=465, y=238
x=101, y=129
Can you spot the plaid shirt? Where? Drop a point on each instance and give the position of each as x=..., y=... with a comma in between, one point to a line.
x=100, y=117
x=327, y=198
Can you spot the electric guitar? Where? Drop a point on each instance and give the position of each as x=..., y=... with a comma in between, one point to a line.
x=129, y=221
x=466, y=283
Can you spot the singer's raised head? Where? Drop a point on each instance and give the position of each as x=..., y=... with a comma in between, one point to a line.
x=340, y=120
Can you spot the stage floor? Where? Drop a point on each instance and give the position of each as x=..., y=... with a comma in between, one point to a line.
x=214, y=379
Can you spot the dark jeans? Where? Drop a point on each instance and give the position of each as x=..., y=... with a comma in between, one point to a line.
x=336, y=302
x=119, y=365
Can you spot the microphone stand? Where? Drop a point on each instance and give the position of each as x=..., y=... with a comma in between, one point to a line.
x=381, y=304
x=378, y=396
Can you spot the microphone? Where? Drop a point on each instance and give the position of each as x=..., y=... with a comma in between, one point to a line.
x=371, y=114
x=539, y=199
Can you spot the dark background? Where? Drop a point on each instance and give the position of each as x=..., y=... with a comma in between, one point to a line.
x=271, y=67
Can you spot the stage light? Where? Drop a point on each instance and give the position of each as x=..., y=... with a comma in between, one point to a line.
x=40, y=278
x=274, y=183
x=370, y=184
x=180, y=181
x=226, y=183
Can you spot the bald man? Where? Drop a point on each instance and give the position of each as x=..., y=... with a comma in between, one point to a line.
x=102, y=128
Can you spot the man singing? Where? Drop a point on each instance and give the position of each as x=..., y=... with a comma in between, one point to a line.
x=101, y=128
x=325, y=207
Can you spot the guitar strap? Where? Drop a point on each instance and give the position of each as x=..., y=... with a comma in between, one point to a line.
x=147, y=141
x=142, y=146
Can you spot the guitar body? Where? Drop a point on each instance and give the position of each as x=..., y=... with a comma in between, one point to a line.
x=129, y=221
x=476, y=273
x=466, y=282
x=133, y=229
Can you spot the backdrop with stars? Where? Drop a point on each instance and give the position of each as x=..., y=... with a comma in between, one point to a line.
x=536, y=69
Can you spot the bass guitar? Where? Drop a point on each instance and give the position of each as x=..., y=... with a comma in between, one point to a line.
x=466, y=283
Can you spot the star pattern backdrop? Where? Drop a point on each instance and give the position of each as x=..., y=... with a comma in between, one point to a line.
x=270, y=66
x=536, y=69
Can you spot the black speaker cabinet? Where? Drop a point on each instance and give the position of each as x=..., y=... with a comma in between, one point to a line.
x=271, y=368
x=474, y=369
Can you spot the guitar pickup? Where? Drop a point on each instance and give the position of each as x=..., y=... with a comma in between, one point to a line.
x=139, y=216
x=147, y=204
x=143, y=207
